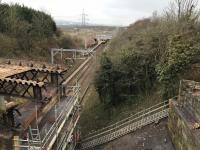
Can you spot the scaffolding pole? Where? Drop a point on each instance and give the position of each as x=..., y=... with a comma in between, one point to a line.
x=35, y=141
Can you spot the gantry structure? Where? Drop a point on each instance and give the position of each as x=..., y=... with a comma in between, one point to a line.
x=80, y=53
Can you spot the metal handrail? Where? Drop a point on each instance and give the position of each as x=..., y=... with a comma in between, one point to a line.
x=52, y=129
x=60, y=118
x=126, y=129
x=124, y=120
x=54, y=124
x=125, y=123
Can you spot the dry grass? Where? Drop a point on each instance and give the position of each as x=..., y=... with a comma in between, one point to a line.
x=96, y=116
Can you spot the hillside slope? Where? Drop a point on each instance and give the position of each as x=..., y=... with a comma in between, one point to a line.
x=29, y=34
x=144, y=65
x=153, y=53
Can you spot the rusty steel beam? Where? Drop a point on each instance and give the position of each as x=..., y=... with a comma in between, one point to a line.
x=39, y=73
x=54, y=77
x=22, y=88
x=32, y=75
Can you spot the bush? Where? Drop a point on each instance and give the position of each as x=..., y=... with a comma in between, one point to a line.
x=153, y=53
x=181, y=53
x=21, y=28
x=106, y=84
x=8, y=46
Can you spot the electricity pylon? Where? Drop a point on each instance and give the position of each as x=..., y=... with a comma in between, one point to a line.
x=84, y=18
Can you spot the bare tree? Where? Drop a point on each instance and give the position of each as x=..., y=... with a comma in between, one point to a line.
x=183, y=10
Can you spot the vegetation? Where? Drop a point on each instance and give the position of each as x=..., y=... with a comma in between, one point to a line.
x=28, y=33
x=153, y=53
x=66, y=41
x=96, y=116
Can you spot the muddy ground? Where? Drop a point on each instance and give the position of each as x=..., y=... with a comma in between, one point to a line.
x=151, y=137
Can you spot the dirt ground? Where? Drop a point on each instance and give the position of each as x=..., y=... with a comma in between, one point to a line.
x=151, y=137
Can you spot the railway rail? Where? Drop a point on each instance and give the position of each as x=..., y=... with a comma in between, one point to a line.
x=42, y=139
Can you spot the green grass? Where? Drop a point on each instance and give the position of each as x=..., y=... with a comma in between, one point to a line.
x=96, y=116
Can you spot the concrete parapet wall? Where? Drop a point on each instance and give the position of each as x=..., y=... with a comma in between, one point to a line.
x=189, y=96
x=184, y=137
x=184, y=114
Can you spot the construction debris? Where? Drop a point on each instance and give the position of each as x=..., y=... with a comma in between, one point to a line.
x=196, y=126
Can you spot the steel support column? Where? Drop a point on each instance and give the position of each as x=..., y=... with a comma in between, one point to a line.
x=54, y=79
x=37, y=92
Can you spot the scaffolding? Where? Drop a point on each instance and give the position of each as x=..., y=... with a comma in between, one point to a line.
x=40, y=139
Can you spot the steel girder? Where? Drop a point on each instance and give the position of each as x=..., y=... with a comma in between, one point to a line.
x=22, y=88
x=42, y=75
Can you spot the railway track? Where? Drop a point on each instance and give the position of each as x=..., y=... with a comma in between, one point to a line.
x=45, y=134
x=82, y=75
x=85, y=72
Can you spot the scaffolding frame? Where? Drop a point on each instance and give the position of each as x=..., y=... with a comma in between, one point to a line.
x=35, y=141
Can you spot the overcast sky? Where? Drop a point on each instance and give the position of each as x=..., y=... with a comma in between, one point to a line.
x=110, y=12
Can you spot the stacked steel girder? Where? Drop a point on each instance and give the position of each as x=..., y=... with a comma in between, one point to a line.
x=42, y=75
x=38, y=84
x=21, y=88
x=46, y=111
x=31, y=83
